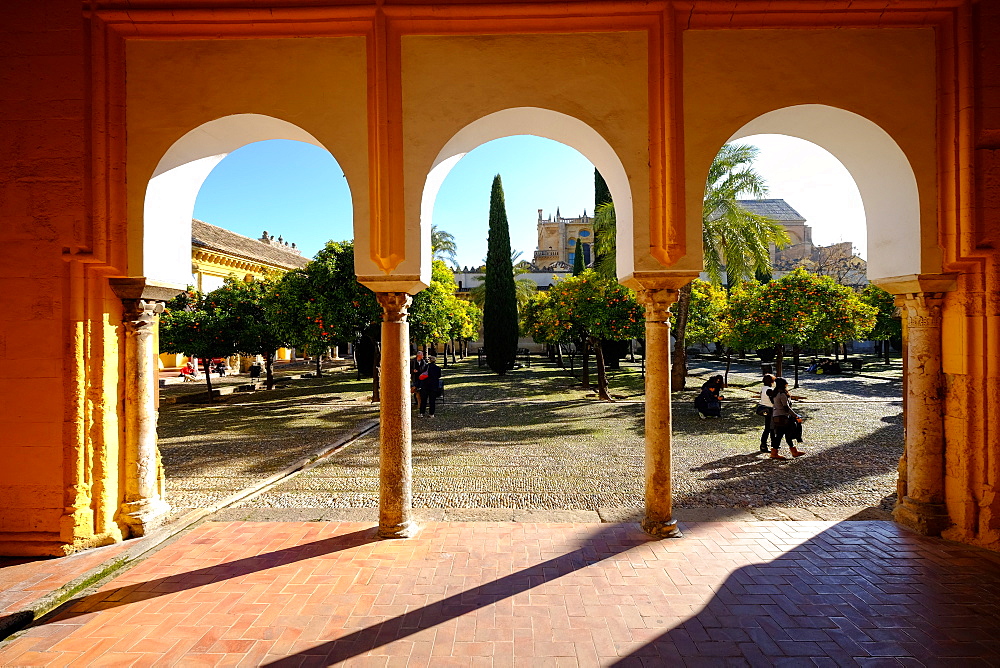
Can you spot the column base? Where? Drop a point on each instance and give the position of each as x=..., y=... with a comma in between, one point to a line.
x=407, y=529
x=661, y=528
x=928, y=519
x=141, y=517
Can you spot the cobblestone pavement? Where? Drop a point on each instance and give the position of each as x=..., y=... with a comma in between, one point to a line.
x=532, y=440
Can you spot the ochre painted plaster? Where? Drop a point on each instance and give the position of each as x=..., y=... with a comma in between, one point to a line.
x=453, y=80
x=884, y=75
x=174, y=86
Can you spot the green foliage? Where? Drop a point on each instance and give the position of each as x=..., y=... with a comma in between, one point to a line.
x=604, y=228
x=734, y=239
x=605, y=242
x=250, y=314
x=193, y=325
x=706, y=313
x=443, y=246
x=584, y=306
x=578, y=265
x=888, y=324
x=323, y=303
x=500, y=302
x=798, y=309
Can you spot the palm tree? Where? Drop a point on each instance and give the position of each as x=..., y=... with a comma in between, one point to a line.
x=443, y=246
x=734, y=240
x=605, y=246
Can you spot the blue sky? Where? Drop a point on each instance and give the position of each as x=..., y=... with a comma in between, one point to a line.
x=298, y=191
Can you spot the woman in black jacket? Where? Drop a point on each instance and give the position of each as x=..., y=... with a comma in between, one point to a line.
x=429, y=386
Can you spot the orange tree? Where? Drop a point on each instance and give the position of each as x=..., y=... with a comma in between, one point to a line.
x=252, y=322
x=798, y=309
x=193, y=325
x=323, y=304
x=587, y=308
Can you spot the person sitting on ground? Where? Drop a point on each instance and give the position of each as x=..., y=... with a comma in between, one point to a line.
x=189, y=372
x=709, y=401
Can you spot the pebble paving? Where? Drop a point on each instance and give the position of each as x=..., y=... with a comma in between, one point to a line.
x=534, y=441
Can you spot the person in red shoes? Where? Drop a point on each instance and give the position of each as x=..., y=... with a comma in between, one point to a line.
x=782, y=417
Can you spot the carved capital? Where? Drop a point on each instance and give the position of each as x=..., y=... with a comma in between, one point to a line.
x=394, y=305
x=657, y=302
x=922, y=309
x=140, y=315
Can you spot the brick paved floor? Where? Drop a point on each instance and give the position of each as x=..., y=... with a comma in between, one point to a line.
x=470, y=594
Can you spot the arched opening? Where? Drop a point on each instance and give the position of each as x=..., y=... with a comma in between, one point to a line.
x=849, y=448
x=174, y=186
x=880, y=169
x=243, y=179
x=539, y=122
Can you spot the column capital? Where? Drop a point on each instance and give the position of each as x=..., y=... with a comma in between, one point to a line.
x=140, y=314
x=395, y=305
x=918, y=283
x=921, y=309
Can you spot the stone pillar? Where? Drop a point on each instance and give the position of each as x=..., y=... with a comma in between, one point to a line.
x=143, y=507
x=659, y=520
x=923, y=508
x=395, y=458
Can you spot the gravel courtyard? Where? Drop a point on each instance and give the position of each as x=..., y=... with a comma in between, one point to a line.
x=533, y=440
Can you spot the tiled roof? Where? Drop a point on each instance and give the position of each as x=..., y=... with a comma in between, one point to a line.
x=217, y=239
x=775, y=209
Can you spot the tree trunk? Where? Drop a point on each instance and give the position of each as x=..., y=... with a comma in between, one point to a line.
x=779, y=360
x=885, y=351
x=729, y=363
x=795, y=350
x=269, y=370
x=559, y=357
x=585, y=367
x=319, y=366
x=206, y=365
x=602, y=372
x=678, y=368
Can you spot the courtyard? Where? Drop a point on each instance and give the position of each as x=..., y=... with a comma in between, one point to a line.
x=535, y=441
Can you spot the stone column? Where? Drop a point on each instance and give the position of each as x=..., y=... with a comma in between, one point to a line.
x=143, y=507
x=659, y=520
x=395, y=459
x=923, y=508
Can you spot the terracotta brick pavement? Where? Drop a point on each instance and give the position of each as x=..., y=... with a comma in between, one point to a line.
x=508, y=594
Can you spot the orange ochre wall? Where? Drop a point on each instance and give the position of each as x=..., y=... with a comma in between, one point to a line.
x=61, y=237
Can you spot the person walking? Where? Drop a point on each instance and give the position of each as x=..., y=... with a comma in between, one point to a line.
x=429, y=380
x=764, y=409
x=782, y=416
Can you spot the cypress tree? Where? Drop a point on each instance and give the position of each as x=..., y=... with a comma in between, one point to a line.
x=601, y=193
x=500, y=327
x=578, y=265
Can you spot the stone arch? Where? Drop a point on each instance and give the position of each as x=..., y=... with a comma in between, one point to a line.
x=173, y=188
x=880, y=169
x=538, y=122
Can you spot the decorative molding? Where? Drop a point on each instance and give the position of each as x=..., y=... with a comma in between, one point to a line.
x=140, y=315
x=394, y=305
